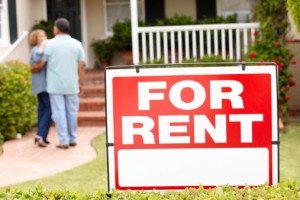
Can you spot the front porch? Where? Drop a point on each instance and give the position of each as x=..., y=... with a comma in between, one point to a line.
x=192, y=42
x=189, y=41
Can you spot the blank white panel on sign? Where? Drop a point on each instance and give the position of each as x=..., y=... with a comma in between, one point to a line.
x=192, y=167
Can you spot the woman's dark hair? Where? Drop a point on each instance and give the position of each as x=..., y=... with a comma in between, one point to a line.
x=62, y=25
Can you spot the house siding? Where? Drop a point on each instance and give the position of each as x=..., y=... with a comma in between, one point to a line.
x=28, y=12
x=95, y=25
x=24, y=12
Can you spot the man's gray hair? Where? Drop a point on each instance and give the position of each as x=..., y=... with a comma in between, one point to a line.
x=63, y=25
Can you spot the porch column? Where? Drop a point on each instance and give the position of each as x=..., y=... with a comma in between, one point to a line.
x=134, y=31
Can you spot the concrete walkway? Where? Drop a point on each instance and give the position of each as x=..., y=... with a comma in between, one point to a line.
x=22, y=160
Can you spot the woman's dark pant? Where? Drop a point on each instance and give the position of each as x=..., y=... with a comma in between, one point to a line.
x=44, y=114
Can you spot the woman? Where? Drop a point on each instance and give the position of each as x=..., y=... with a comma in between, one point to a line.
x=37, y=40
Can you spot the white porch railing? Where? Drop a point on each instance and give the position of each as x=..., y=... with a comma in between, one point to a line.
x=19, y=50
x=173, y=44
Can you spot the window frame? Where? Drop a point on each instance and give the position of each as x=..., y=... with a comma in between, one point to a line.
x=4, y=39
x=105, y=4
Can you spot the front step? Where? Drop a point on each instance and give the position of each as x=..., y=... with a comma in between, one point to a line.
x=94, y=78
x=91, y=118
x=93, y=91
x=92, y=104
x=92, y=101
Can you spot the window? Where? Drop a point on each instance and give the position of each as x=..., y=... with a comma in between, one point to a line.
x=240, y=7
x=4, y=38
x=119, y=10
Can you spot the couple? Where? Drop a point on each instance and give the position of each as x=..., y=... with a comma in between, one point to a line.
x=57, y=67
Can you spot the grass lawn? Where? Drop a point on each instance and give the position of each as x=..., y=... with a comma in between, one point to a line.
x=290, y=153
x=92, y=176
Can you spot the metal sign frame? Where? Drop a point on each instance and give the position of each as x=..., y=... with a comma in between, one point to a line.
x=138, y=68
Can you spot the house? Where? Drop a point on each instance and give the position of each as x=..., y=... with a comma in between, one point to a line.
x=93, y=19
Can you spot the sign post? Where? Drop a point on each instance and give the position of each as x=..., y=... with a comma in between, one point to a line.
x=173, y=128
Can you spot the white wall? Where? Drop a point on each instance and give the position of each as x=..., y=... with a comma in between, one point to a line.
x=95, y=26
x=20, y=50
x=28, y=13
x=24, y=11
x=4, y=28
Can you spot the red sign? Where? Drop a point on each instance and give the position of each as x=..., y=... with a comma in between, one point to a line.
x=177, y=128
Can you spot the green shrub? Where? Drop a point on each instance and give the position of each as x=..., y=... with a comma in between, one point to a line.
x=187, y=20
x=176, y=20
x=154, y=62
x=103, y=48
x=270, y=50
x=272, y=17
x=1, y=142
x=284, y=190
x=270, y=45
x=208, y=61
x=219, y=20
x=213, y=58
x=17, y=105
x=205, y=59
x=294, y=6
x=47, y=26
x=122, y=40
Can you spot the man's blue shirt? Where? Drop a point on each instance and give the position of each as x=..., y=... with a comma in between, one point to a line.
x=62, y=54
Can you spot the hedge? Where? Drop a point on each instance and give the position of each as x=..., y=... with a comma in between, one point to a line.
x=284, y=190
x=17, y=104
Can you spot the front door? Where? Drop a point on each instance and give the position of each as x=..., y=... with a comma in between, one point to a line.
x=155, y=10
x=69, y=9
x=206, y=9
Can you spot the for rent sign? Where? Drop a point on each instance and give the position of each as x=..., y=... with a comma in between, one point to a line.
x=172, y=128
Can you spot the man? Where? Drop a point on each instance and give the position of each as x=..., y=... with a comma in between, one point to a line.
x=65, y=76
